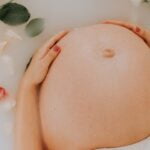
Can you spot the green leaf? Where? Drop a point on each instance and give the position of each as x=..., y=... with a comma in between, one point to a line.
x=14, y=14
x=146, y=1
x=35, y=27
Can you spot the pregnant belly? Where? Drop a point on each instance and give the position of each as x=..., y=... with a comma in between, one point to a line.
x=97, y=92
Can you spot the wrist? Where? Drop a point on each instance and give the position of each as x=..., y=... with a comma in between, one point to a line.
x=28, y=84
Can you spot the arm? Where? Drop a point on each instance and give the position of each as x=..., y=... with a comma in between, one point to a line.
x=28, y=135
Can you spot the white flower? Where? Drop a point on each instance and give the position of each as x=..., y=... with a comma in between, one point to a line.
x=3, y=45
x=12, y=35
x=136, y=2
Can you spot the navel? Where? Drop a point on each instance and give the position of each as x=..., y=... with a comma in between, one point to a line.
x=108, y=53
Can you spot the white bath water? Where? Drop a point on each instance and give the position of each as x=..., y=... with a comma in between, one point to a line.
x=58, y=15
x=135, y=14
x=140, y=13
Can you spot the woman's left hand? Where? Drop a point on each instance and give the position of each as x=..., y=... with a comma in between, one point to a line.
x=141, y=32
x=41, y=61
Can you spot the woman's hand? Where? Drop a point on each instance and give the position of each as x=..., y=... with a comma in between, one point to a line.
x=143, y=33
x=28, y=129
x=41, y=61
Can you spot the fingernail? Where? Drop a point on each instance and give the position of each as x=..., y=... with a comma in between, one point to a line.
x=56, y=48
x=137, y=29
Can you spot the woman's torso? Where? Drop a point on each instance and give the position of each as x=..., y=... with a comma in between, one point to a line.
x=97, y=92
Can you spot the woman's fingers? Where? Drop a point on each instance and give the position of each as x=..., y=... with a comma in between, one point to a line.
x=121, y=23
x=51, y=55
x=50, y=43
x=144, y=34
x=127, y=25
x=40, y=63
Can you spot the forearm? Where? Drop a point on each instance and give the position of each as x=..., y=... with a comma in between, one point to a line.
x=28, y=135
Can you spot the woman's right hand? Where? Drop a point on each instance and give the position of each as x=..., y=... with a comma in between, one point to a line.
x=42, y=60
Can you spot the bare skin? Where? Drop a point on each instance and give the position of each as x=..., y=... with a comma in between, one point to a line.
x=98, y=90
x=28, y=121
x=143, y=33
x=28, y=131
